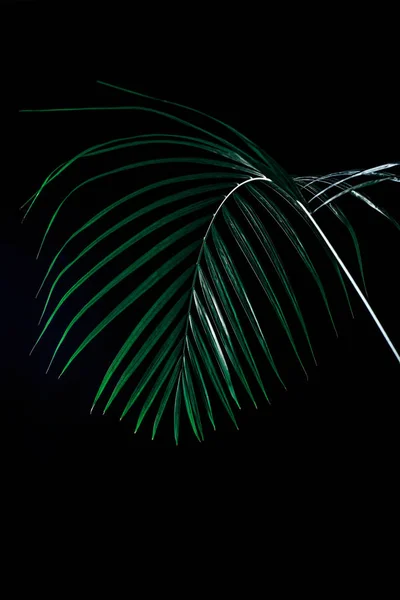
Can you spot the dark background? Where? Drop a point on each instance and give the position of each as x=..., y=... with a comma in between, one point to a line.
x=316, y=107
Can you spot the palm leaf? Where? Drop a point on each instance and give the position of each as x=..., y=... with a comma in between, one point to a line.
x=194, y=343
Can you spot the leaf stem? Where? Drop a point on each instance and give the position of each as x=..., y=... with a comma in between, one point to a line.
x=359, y=292
x=250, y=180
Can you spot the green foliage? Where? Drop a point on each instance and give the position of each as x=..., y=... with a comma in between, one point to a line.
x=195, y=335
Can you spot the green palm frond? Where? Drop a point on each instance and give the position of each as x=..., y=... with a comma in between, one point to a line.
x=202, y=330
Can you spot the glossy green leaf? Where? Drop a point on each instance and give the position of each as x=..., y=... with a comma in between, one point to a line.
x=191, y=339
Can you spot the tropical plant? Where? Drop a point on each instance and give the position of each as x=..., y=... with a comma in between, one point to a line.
x=202, y=326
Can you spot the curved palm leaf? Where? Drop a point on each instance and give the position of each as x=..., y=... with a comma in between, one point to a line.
x=195, y=335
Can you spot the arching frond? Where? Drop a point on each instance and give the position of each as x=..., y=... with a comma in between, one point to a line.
x=211, y=198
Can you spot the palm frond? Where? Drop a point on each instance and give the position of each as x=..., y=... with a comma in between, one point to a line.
x=202, y=332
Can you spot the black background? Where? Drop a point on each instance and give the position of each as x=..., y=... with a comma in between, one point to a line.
x=315, y=105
